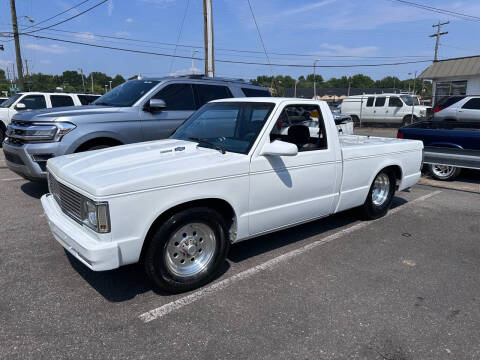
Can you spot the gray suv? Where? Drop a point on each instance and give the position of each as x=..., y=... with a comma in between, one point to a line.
x=458, y=108
x=138, y=110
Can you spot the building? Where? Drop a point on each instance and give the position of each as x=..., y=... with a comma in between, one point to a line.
x=457, y=76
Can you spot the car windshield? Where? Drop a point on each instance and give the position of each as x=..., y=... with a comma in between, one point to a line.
x=410, y=100
x=229, y=126
x=7, y=103
x=126, y=94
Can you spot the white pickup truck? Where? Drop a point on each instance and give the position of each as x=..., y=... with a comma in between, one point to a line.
x=231, y=172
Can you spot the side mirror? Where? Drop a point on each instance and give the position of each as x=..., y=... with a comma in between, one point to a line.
x=279, y=148
x=20, y=106
x=156, y=105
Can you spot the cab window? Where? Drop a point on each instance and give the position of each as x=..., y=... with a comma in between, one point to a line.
x=61, y=100
x=395, y=102
x=301, y=125
x=370, y=101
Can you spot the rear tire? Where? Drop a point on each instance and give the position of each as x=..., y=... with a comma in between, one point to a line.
x=187, y=250
x=443, y=172
x=2, y=135
x=356, y=120
x=380, y=196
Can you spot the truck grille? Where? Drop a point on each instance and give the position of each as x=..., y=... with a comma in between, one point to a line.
x=69, y=200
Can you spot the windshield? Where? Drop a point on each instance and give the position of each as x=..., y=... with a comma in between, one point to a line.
x=126, y=94
x=232, y=126
x=410, y=100
x=7, y=103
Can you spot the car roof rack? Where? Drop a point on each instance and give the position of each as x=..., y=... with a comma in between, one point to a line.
x=203, y=77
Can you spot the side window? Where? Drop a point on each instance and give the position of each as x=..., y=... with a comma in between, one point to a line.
x=301, y=125
x=33, y=102
x=177, y=97
x=249, y=92
x=395, y=102
x=473, y=104
x=87, y=99
x=380, y=101
x=370, y=101
x=61, y=100
x=206, y=93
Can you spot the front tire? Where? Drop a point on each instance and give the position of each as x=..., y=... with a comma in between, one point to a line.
x=187, y=250
x=443, y=172
x=2, y=135
x=380, y=196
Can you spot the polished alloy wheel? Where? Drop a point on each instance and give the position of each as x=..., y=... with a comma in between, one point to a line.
x=190, y=249
x=443, y=171
x=381, y=189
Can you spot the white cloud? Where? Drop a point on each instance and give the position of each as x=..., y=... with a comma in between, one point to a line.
x=185, y=72
x=129, y=20
x=85, y=36
x=334, y=49
x=122, y=34
x=110, y=8
x=305, y=8
x=52, y=49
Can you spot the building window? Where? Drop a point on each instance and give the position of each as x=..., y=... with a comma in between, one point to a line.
x=448, y=88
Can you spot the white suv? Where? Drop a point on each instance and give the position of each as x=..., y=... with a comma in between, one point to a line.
x=38, y=100
x=458, y=108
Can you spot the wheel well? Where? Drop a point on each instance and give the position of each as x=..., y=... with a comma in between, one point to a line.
x=221, y=206
x=3, y=126
x=98, y=141
x=397, y=171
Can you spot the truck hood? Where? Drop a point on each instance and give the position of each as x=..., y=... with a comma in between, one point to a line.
x=67, y=113
x=145, y=166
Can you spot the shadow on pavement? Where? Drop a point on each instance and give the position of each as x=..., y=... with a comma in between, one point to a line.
x=127, y=282
x=34, y=189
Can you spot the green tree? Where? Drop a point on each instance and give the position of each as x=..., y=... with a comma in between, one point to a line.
x=117, y=80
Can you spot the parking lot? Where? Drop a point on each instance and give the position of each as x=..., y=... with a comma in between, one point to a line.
x=403, y=287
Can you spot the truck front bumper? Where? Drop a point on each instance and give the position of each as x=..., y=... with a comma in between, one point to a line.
x=96, y=255
x=29, y=160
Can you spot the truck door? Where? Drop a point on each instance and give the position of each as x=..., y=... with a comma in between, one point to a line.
x=290, y=189
x=379, y=112
x=470, y=111
x=180, y=105
x=394, y=110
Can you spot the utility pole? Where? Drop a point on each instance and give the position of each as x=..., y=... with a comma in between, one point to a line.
x=437, y=35
x=91, y=75
x=193, y=65
x=208, y=38
x=17, y=44
x=28, y=76
x=83, y=80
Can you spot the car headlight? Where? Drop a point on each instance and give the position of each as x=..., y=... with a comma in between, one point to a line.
x=97, y=216
x=63, y=129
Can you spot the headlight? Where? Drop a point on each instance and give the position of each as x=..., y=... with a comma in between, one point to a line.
x=63, y=129
x=39, y=131
x=97, y=216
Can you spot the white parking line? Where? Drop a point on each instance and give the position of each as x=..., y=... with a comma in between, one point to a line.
x=177, y=304
x=12, y=179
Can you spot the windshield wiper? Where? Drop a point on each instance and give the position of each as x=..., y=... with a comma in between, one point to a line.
x=102, y=103
x=205, y=141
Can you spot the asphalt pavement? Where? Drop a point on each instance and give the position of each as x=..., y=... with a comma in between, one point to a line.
x=403, y=287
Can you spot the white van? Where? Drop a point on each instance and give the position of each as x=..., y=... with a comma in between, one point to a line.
x=38, y=100
x=384, y=108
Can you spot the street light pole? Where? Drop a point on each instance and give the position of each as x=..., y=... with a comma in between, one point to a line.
x=193, y=56
x=83, y=80
x=315, y=79
x=110, y=83
x=295, y=92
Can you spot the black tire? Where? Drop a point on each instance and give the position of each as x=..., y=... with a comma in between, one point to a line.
x=155, y=262
x=2, y=136
x=369, y=210
x=356, y=120
x=409, y=119
x=443, y=173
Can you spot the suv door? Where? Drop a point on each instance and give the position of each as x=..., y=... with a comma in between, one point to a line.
x=394, y=110
x=470, y=111
x=367, y=113
x=379, y=112
x=180, y=103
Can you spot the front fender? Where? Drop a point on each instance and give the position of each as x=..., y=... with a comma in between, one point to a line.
x=90, y=136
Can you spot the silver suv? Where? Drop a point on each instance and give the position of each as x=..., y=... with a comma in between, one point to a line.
x=458, y=108
x=138, y=110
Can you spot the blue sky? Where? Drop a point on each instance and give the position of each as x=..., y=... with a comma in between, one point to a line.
x=321, y=28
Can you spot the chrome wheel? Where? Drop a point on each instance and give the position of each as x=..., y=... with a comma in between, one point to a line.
x=381, y=189
x=443, y=171
x=190, y=249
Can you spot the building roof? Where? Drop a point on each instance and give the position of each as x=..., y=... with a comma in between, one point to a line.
x=464, y=66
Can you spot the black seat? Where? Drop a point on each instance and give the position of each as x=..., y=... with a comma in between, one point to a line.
x=300, y=136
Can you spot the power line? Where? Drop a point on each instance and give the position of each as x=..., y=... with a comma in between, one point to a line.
x=440, y=11
x=57, y=15
x=179, y=34
x=68, y=19
x=222, y=60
